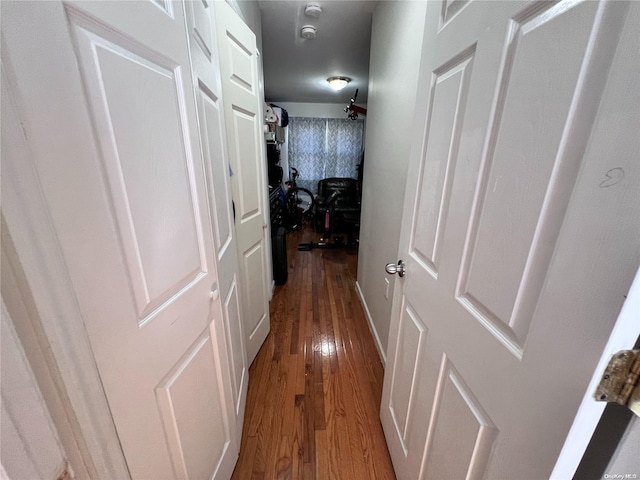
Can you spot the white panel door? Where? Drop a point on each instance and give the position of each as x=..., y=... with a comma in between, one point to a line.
x=520, y=233
x=109, y=117
x=244, y=120
x=208, y=92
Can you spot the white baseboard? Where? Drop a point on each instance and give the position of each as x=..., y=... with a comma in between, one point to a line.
x=372, y=327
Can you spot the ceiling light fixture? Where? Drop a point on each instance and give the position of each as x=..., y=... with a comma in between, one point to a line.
x=313, y=10
x=308, y=31
x=338, y=83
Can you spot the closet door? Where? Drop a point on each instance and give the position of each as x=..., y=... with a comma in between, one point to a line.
x=244, y=120
x=208, y=93
x=109, y=124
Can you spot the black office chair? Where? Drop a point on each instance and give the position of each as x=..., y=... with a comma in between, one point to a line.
x=346, y=210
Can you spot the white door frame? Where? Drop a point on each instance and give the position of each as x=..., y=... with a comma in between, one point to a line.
x=28, y=220
x=19, y=307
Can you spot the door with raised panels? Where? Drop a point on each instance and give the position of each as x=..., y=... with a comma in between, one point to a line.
x=244, y=120
x=105, y=94
x=208, y=92
x=519, y=233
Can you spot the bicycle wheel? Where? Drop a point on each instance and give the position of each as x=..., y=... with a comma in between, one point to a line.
x=298, y=204
x=302, y=199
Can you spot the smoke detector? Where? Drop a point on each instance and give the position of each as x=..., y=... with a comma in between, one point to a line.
x=308, y=31
x=313, y=10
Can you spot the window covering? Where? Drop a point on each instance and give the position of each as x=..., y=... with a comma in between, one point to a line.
x=324, y=147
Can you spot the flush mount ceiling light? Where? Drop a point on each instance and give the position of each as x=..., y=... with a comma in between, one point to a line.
x=338, y=83
x=308, y=31
x=313, y=10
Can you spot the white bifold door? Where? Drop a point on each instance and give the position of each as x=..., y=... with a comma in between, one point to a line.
x=520, y=232
x=142, y=219
x=244, y=120
x=208, y=91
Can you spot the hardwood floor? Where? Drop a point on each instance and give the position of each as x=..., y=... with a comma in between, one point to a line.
x=315, y=386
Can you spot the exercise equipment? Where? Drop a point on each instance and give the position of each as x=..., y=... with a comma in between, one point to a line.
x=338, y=241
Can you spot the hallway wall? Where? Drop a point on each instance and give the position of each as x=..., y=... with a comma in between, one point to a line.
x=396, y=47
x=625, y=459
x=314, y=110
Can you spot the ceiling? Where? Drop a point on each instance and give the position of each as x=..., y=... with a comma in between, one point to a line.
x=296, y=69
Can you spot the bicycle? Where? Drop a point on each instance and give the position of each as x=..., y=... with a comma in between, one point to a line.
x=298, y=203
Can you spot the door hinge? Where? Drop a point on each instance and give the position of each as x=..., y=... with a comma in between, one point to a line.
x=619, y=381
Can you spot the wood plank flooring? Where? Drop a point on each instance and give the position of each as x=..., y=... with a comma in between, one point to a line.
x=315, y=386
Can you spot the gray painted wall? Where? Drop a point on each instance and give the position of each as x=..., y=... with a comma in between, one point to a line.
x=626, y=459
x=314, y=110
x=396, y=45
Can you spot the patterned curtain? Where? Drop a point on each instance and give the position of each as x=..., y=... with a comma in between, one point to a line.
x=324, y=147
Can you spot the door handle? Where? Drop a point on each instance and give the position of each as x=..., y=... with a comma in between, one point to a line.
x=400, y=268
x=214, y=293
